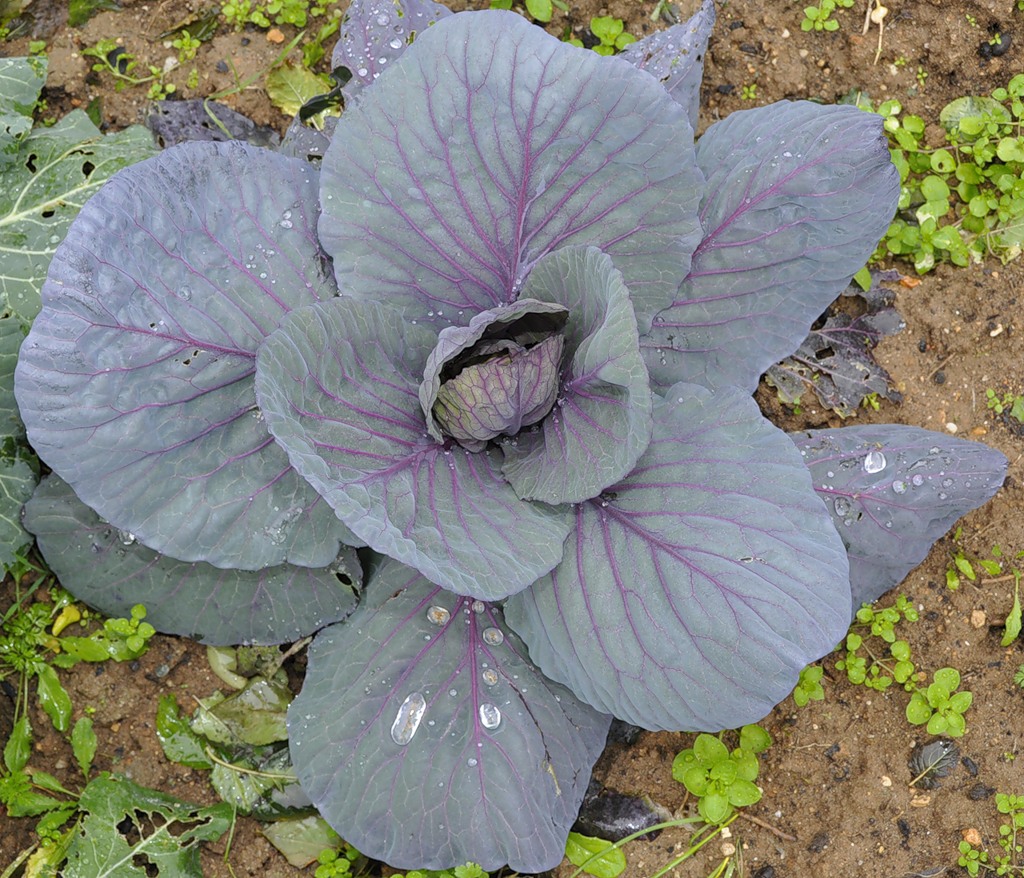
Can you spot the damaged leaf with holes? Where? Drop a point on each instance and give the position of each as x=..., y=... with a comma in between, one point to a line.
x=502, y=341
x=129, y=831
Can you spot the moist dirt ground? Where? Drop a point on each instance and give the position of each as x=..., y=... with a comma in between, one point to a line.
x=837, y=800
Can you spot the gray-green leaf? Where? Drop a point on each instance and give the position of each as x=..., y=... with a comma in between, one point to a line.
x=164, y=832
x=56, y=170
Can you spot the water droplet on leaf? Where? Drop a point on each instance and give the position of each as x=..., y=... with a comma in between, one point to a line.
x=490, y=716
x=874, y=462
x=490, y=677
x=493, y=637
x=408, y=718
x=842, y=506
x=438, y=615
x=899, y=487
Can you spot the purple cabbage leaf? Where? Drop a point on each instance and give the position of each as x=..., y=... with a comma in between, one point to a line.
x=489, y=147
x=681, y=579
x=505, y=339
x=797, y=193
x=675, y=57
x=424, y=729
x=112, y=571
x=893, y=491
x=136, y=382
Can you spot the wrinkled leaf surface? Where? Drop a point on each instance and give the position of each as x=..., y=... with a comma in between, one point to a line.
x=892, y=491
x=107, y=569
x=797, y=197
x=693, y=592
x=426, y=737
x=430, y=205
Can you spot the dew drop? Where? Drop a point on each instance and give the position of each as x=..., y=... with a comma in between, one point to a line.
x=917, y=480
x=396, y=43
x=471, y=762
x=453, y=692
x=947, y=483
x=408, y=718
x=54, y=239
x=490, y=677
x=438, y=615
x=899, y=487
x=362, y=71
x=874, y=462
x=383, y=19
x=934, y=449
x=493, y=637
x=477, y=606
x=942, y=496
x=842, y=506
x=490, y=716
x=185, y=292
x=127, y=537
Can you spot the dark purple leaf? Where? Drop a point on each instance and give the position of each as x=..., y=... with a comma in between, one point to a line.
x=835, y=362
x=489, y=146
x=693, y=592
x=893, y=491
x=174, y=122
x=798, y=195
x=339, y=383
x=495, y=375
x=426, y=738
x=375, y=32
x=136, y=381
x=110, y=570
x=675, y=57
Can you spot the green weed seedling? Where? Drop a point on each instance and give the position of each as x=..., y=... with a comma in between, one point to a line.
x=962, y=200
x=862, y=661
x=819, y=18
x=538, y=10
x=113, y=59
x=611, y=34
x=722, y=780
x=940, y=705
x=975, y=860
x=1010, y=404
x=808, y=687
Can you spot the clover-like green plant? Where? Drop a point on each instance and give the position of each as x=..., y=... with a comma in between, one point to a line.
x=722, y=780
x=940, y=705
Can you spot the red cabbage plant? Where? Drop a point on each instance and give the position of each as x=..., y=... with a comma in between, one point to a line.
x=504, y=339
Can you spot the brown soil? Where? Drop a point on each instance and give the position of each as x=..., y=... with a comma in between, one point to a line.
x=836, y=796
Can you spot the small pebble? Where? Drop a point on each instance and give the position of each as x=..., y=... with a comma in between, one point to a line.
x=972, y=836
x=951, y=427
x=978, y=618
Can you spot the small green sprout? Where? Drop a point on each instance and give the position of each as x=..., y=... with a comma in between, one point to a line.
x=749, y=92
x=187, y=46
x=610, y=31
x=722, y=781
x=809, y=687
x=1018, y=676
x=819, y=18
x=941, y=706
